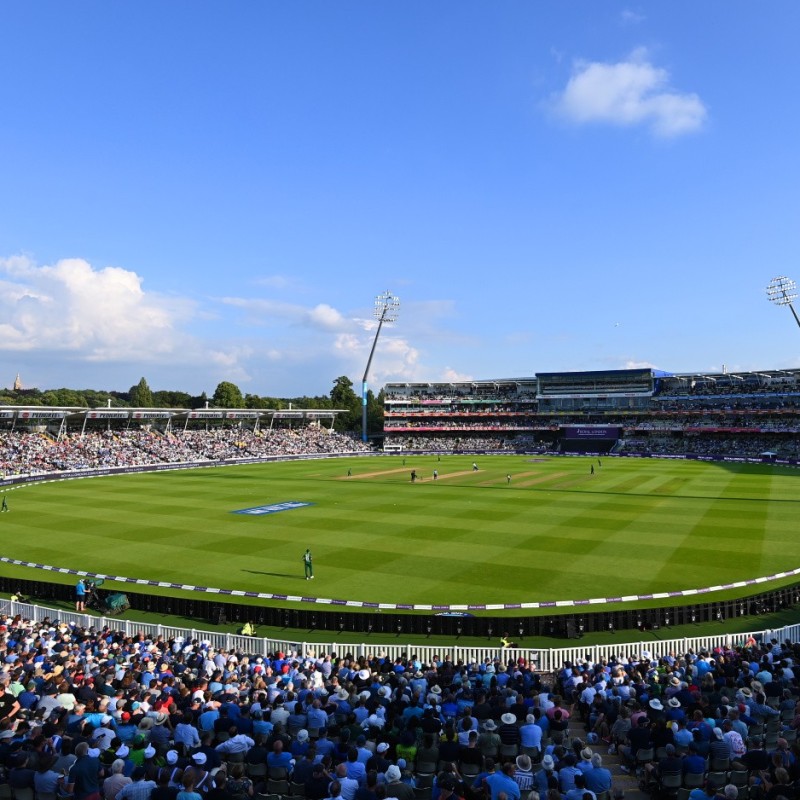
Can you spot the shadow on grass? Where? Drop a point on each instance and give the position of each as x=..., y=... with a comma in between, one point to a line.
x=274, y=574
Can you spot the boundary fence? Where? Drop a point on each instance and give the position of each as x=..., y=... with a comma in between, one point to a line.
x=545, y=659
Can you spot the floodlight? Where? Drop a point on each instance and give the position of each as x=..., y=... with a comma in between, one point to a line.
x=782, y=291
x=387, y=307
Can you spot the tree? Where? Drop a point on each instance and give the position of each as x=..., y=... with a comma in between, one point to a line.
x=375, y=412
x=228, y=395
x=344, y=397
x=141, y=396
x=254, y=401
x=201, y=401
x=171, y=399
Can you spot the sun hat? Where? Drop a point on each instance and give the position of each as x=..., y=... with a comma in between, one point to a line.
x=587, y=753
x=548, y=763
x=524, y=762
x=393, y=774
x=655, y=704
x=508, y=719
x=673, y=702
x=490, y=725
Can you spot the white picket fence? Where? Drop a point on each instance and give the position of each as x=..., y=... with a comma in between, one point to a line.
x=546, y=659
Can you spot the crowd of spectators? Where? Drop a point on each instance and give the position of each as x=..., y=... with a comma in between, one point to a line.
x=35, y=452
x=710, y=444
x=88, y=713
x=722, y=722
x=468, y=444
x=768, y=386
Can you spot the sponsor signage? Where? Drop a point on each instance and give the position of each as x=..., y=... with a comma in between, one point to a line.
x=258, y=511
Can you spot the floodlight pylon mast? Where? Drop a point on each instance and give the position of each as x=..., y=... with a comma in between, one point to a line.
x=782, y=291
x=387, y=306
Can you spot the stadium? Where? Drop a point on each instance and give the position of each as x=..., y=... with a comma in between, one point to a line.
x=532, y=490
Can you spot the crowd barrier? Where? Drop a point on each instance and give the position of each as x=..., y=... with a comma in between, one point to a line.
x=546, y=659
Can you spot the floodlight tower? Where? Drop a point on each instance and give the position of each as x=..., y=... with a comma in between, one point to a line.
x=387, y=307
x=782, y=291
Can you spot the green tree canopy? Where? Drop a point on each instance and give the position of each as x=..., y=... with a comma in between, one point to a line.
x=344, y=397
x=228, y=395
x=172, y=399
x=140, y=395
x=375, y=412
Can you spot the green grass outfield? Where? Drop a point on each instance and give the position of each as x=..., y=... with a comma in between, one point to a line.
x=555, y=532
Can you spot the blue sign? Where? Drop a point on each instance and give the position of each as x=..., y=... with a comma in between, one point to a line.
x=273, y=509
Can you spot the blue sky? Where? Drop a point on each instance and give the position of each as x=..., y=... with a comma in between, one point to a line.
x=202, y=191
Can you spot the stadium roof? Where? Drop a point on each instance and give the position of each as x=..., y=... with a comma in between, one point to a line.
x=82, y=415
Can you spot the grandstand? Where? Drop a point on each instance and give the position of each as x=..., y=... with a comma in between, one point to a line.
x=40, y=439
x=626, y=412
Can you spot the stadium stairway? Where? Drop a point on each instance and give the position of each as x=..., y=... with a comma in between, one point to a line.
x=622, y=782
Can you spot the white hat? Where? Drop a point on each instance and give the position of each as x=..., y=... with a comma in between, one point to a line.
x=508, y=719
x=172, y=756
x=382, y=747
x=302, y=736
x=393, y=773
x=149, y=751
x=548, y=763
x=655, y=703
x=123, y=751
x=199, y=758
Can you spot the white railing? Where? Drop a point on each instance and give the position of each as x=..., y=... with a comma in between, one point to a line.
x=546, y=659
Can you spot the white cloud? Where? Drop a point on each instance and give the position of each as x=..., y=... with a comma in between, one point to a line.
x=325, y=317
x=450, y=374
x=628, y=93
x=396, y=359
x=101, y=314
x=72, y=321
x=265, y=312
x=633, y=364
x=631, y=17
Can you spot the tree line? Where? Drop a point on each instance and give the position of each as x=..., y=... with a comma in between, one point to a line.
x=226, y=395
